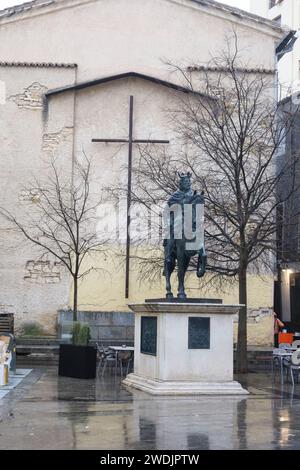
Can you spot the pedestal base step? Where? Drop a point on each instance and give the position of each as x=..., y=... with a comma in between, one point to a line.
x=159, y=387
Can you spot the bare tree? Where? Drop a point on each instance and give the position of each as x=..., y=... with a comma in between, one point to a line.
x=61, y=219
x=232, y=145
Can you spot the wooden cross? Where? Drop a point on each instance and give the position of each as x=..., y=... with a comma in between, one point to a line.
x=130, y=141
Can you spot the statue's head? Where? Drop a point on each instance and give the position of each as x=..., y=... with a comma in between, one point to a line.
x=185, y=181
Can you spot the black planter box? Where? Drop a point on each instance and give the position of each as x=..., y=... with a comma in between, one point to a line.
x=77, y=361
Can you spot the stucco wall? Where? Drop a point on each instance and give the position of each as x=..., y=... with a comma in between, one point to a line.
x=106, y=37
x=33, y=290
x=103, y=38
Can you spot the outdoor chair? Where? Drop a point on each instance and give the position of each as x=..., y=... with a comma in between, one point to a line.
x=276, y=357
x=294, y=365
x=124, y=359
x=111, y=360
x=284, y=345
x=106, y=357
x=296, y=343
x=100, y=354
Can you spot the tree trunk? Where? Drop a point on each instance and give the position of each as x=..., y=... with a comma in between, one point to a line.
x=241, y=353
x=75, y=298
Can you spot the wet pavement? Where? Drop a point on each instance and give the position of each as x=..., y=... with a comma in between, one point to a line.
x=51, y=412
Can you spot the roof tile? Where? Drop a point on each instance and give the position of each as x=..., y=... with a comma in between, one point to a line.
x=38, y=64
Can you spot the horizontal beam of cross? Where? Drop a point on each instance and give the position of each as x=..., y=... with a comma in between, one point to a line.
x=134, y=141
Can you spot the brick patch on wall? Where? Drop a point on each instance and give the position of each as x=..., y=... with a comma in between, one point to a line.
x=29, y=195
x=31, y=98
x=47, y=272
x=52, y=141
x=260, y=326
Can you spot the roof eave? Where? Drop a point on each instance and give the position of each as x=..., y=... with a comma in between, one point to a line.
x=111, y=78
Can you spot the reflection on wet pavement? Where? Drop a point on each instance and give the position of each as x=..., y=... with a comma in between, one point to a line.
x=50, y=412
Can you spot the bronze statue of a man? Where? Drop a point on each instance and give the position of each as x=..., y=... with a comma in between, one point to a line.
x=184, y=233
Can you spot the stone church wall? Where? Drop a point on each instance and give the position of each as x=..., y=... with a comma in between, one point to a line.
x=32, y=288
x=103, y=38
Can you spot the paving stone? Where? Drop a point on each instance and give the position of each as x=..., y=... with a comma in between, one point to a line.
x=50, y=412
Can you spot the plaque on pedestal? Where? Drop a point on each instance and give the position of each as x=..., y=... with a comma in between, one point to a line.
x=199, y=333
x=149, y=335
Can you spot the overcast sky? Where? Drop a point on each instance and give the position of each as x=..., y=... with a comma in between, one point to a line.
x=244, y=4
x=9, y=3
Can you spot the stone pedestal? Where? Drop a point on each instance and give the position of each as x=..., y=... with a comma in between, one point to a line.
x=184, y=349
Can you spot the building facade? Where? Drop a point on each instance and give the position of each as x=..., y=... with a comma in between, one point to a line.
x=67, y=70
x=287, y=289
x=284, y=12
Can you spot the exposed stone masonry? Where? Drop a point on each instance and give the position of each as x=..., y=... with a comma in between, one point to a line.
x=52, y=141
x=4, y=308
x=30, y=195
x=32, y=98
x=47, y=272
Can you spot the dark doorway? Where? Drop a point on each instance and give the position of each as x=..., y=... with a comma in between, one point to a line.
x=277, y=298
x=295, y=298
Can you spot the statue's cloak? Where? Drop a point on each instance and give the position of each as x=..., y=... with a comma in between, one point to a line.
x=180, y=197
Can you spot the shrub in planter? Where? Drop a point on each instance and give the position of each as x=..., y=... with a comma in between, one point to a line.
x=78, y=360
x=81, y=334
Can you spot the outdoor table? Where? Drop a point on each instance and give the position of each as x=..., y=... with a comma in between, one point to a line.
x=281, y=354
x=119, y=349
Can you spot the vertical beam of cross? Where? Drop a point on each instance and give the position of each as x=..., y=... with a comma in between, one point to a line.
x=130, y=141
x=129, y=191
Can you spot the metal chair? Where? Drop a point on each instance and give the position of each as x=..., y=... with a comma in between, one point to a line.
x=278, y=360
x=106, y=356
x=110, y=358
x=100, y=355
x=284, y=346
x=296, y=343
x=124, y=356
x=295, y=365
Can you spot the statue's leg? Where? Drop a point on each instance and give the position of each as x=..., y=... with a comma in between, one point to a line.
x=184, y=264
x=168, y=269
x=181, y=291
x=202, y=262
x=181, y=274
